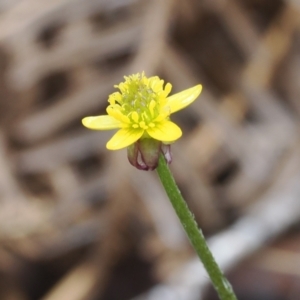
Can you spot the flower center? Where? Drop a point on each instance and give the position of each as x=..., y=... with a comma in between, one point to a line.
x=141, y=101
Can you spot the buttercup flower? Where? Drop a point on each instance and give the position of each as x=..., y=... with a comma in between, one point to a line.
x=141, y=111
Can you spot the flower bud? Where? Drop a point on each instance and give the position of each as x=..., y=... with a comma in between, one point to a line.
x=144, y=154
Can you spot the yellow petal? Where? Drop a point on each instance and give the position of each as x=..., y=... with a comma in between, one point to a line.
x=124, y=138
x=181, y=100
x=165, y=131
x=101, y=123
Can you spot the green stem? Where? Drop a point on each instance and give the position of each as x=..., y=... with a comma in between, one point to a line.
x=195, y=234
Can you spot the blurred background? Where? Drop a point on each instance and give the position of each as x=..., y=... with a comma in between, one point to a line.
x=78, y=222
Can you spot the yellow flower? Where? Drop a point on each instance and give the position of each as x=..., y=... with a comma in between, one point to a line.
x=141, y=110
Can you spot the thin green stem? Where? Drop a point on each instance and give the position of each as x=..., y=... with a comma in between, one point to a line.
x=195, y=234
